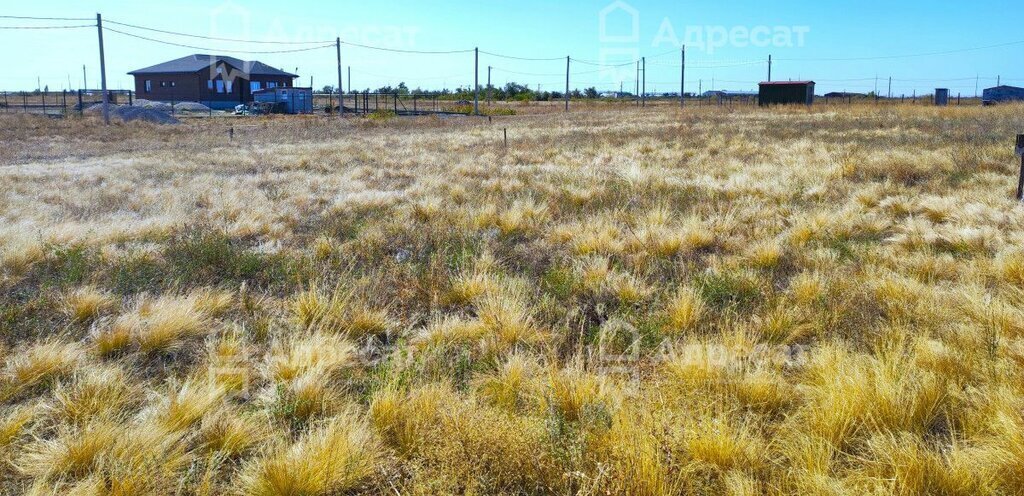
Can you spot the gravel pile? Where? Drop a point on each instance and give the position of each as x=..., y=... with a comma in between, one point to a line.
x=190, y=107
x=129, y=114
x=148, y=104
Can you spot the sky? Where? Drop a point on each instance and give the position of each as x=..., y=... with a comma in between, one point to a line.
x=842, y=45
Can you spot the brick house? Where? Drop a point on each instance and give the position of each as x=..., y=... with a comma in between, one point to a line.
x=215, y=80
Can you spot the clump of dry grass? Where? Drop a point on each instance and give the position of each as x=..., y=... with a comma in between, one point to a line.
x=339, y=456
x=87, y=303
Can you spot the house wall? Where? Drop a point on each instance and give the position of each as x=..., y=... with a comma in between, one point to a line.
x=195, y=87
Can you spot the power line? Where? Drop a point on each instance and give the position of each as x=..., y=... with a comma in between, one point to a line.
x=213, y=38
x=399, y=50
x=206, y=49
x=598, y=64
x=49, y=27
x=512, y=57
x=27, y=18
x=541, y=74
x=236, y=40
x=907, y=56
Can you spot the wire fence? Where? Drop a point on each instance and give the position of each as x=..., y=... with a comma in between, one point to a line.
x=603, y=79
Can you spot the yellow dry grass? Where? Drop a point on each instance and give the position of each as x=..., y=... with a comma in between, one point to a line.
x=715, y=301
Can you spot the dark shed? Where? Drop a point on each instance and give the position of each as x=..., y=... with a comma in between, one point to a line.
x=786, y=93
x=1004, y=94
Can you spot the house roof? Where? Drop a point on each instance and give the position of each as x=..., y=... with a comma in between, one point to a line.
x=784, y=83
x=198, y=62
x=1005, y=87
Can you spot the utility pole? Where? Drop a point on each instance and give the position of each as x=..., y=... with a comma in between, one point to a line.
x=643, y=89
x=890, y=87
x=567, y=59
x=85, y=81
x=682, y=80
x=341, y=92
x=476, y=81
x=769, y=69
x=977, y=80
x=103, y=72
x=350, y=78
x=489, y=85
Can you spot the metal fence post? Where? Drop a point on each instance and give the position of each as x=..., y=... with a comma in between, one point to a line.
x=1020, y=181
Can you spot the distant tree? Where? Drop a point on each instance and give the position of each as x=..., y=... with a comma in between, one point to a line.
x=328, y=89
x=591, y=92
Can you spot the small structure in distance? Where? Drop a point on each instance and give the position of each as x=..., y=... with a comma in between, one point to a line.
x=1002, y=94
x=786, y=93
x=286, y=100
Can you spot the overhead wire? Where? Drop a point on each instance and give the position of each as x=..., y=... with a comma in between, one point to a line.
x=214, y=38
x=29, y=18
x=48, y=27
x=207, y=49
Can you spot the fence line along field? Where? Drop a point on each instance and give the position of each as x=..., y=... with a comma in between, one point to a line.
x=620, y=301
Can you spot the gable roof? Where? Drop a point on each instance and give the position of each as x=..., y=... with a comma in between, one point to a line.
x=783, y=83
x=1005, y=87
x=198, y=62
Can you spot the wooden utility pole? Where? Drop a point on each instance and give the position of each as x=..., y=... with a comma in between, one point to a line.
x=769, y=69
x=341, y=93
x=489, y=85
x=682, y=79
x=643, y=88
x=567, y=59
x=85, y=81
x=476, y=81
x=103, y=72
x=890, y=87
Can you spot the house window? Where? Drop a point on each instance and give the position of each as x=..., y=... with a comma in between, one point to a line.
x=230, y=85
x=220, y=86
x=254, y=85
x=172, y=84
x=209, y=85
x=271, y=84
x=149, y=86
x=163, y=84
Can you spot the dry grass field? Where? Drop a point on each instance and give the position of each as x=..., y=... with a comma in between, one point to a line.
x=721, y=301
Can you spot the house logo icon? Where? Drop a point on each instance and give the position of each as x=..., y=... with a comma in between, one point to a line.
x=229, y=18
x=616, y=16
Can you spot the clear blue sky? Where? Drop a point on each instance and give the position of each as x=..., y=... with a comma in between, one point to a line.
x=794, y=32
